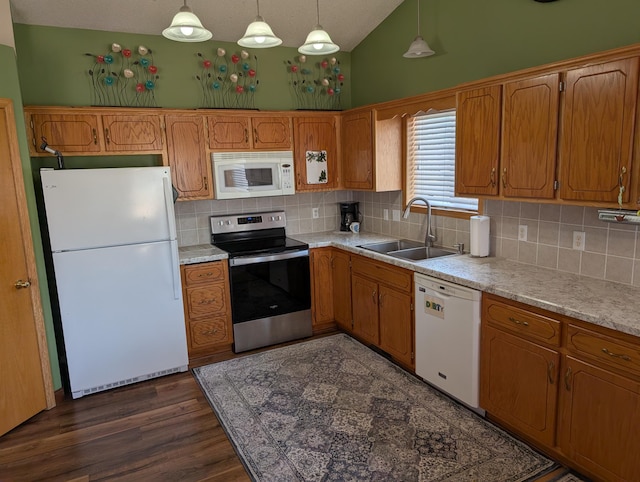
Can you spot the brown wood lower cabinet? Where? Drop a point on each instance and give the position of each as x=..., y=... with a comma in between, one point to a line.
x=576, y=396
x=322, y=289
x=341, y=281
x=207, y=308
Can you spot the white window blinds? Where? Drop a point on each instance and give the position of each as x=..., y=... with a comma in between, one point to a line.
x=432, y=160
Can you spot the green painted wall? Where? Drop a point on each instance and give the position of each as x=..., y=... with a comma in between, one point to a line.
x=477, y=39
x=53, y=69
x=10, y=88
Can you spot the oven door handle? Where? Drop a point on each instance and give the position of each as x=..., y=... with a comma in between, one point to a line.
x=243, y=260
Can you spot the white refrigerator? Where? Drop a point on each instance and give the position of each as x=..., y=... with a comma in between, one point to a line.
x=115, y=258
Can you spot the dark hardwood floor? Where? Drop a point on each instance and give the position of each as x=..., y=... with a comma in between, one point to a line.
x=159, y=430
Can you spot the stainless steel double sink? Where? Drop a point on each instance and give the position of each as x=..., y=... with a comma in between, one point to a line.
x=407, y=249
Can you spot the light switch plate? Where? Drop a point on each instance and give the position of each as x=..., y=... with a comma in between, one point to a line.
x=385, y=214
x=522, y=232
x=396, y=214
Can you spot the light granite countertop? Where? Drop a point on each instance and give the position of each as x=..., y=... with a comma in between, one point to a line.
x=600, y=302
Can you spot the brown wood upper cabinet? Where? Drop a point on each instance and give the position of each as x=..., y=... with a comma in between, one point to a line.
x=242, y=132
x=91, y=132
x=573, y=126
x=315, y=133
x=371, y=151
x=188, y=159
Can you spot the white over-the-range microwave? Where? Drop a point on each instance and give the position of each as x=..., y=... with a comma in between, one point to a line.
x=253, y=174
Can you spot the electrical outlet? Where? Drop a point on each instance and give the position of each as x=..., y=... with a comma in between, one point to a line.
x=315, y=213
x=522, y=232
x=385, y=214
x=578, y=240
x=396, y=214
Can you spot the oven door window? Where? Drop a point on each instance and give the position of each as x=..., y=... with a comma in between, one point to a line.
x=273, y=288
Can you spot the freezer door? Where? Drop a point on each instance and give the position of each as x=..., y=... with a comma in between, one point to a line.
x=120, y=316
x=89, y=208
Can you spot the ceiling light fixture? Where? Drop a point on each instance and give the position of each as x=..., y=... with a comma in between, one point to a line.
x=259, y=35
x=318, y=41
x=186, y=27
x=418, y=47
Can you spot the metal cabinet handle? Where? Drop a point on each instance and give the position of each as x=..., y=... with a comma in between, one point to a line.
x=255, y=136
x=518, y=322
x=207, y=302
x=206, y=183
x=22, y=284
x=374, y=297
x=246, y=135
x=493, y=177
x=205, y=275
x=106, y=135
x=504, y=177
x=210, y=332
x=550, y=368
x=616, y=355
x=567, y=379
x=381, y=299
x=95, y=136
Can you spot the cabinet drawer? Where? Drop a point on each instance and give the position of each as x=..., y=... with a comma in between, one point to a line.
x=530, y=325
x=205, y=301
x=383, y=273
x=205, y=273
x=208, y=332
x=603, y=348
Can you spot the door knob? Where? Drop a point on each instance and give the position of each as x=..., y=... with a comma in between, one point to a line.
x=22, y=284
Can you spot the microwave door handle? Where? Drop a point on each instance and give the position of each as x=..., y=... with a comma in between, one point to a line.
x=251, y=259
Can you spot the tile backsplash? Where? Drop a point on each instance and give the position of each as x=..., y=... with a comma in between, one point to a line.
x=611, y=251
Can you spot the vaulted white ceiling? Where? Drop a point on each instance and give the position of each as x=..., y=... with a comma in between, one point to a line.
x=347, y=21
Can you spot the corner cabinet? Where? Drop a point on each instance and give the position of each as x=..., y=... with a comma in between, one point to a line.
x=315, y=133
x=371, y=151
x=207, y=308
x=241, y=132
x=187, y=156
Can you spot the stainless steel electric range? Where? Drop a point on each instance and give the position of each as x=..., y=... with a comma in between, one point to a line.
x=269, y=279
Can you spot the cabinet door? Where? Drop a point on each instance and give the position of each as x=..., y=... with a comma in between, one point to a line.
x=357, y=150
x=190, y=166
x=396, y=325
x=598, y=123
x=67, y=133
x=599, y=421
x=477, y=141
x=229, y=132
x=518, y=383
x=321, y=286
x=315, y=134
x=529, y=137
x=365, y=309
x=341, y=278
x=271, y=133
x=125, y=133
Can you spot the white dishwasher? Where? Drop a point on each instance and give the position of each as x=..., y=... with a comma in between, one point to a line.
x=448, y=337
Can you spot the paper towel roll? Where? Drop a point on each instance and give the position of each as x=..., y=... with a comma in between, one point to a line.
x=479, y=235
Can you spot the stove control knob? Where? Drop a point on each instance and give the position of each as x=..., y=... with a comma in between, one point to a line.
x=228, y=223
x=220, y=223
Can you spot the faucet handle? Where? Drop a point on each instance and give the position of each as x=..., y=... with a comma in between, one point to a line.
x=459, y=247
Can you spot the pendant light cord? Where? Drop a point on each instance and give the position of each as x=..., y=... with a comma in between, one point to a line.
x=258, y=4
x=418, y=17
x=318, y=11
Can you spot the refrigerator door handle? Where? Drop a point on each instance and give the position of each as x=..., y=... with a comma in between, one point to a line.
x=175, y=270
x=168, y=200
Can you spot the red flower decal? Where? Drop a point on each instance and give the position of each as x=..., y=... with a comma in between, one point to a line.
x=340, y=77
x=324, y=64
x=294, y=68
x=330, y=91
x=126, y=53
x=235, y=59
x=139, y=88
x=100, y=59
x=153, y=69
x=239, y=89
x=206, y=64
x=251, y=73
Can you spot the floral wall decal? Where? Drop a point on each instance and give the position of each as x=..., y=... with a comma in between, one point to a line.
x=316, y=85
x=123, y=78
x=228, y=81
x=316, y=167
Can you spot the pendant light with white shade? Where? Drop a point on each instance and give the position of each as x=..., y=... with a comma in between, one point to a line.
x=318, y=41
x=259, y=35
x=186, y=27
x=418, y=47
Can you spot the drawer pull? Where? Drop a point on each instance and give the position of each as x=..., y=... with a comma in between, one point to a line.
x=210, y=332
x=206, y=302
x=616, y=355
x=518, y=322
x=550, y=368
x=567, y=379
x=374, y=297
x=205, y=275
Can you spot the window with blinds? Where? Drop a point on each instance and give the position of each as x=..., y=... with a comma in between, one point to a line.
x=432, y=160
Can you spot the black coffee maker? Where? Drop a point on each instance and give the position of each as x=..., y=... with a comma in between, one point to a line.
x=348, y=214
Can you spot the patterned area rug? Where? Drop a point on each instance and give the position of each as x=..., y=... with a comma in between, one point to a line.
x=331, y=409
